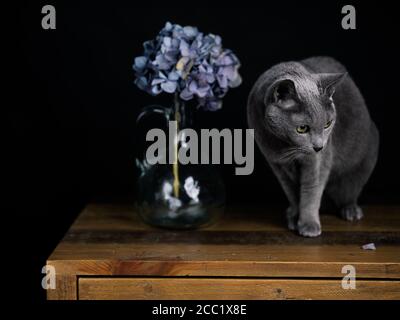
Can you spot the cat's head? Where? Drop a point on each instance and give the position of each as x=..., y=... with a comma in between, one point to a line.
x=300, y=109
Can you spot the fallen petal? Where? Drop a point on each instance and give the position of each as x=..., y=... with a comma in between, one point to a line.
x=369, y=246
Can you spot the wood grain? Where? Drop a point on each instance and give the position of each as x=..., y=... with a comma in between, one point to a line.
x=233, y=289
x=66, y=288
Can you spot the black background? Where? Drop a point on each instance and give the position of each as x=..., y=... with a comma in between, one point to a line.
x=75, y=104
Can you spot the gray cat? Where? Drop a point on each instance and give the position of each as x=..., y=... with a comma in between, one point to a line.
x=313, y=127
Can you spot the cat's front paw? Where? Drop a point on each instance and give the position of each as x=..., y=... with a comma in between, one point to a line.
x=351, y=213
x=292, y=214
x=309, y=228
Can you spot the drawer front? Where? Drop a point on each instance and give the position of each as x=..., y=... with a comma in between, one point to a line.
x=246, y=289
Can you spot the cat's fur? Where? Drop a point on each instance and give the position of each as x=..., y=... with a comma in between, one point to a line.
x=312, y=92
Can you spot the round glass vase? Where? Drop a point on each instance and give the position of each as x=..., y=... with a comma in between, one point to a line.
x=171, y=194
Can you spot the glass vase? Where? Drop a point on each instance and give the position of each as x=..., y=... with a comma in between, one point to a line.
x=175, y=195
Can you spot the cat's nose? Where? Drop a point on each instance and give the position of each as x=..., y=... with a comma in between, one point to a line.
x=317, y=149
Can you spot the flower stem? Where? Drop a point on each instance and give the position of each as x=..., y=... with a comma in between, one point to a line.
x=176, y=143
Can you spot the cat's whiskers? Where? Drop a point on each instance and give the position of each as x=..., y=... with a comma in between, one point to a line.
x=292, y=153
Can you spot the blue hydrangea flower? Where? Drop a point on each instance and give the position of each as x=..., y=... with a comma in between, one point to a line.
x=185, y=61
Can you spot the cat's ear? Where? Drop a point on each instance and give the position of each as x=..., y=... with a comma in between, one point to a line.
x=283, y=94
x=329, y=81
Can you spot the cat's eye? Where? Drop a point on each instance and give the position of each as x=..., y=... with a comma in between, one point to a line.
x=328, y=124
x=303, y=129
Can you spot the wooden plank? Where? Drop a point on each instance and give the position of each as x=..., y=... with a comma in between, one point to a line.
x=240, y=218
x=246, y=289
x=229, y=268
x=66, y=288
x=228, y=260
x=231, y=237
x=261, y=253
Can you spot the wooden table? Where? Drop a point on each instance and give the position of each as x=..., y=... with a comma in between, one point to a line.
x=109, y=253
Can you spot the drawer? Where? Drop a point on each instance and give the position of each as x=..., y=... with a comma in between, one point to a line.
x=232, y=288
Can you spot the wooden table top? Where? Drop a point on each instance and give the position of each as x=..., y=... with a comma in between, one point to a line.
x=251, y=241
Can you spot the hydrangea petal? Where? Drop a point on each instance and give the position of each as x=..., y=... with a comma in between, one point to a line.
x=141, y=83
x=155, y=90
x=237, y=81
x=169, y=86
x=186, y=94
x=174, y=76
x=191, y=32
x=140, y=63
